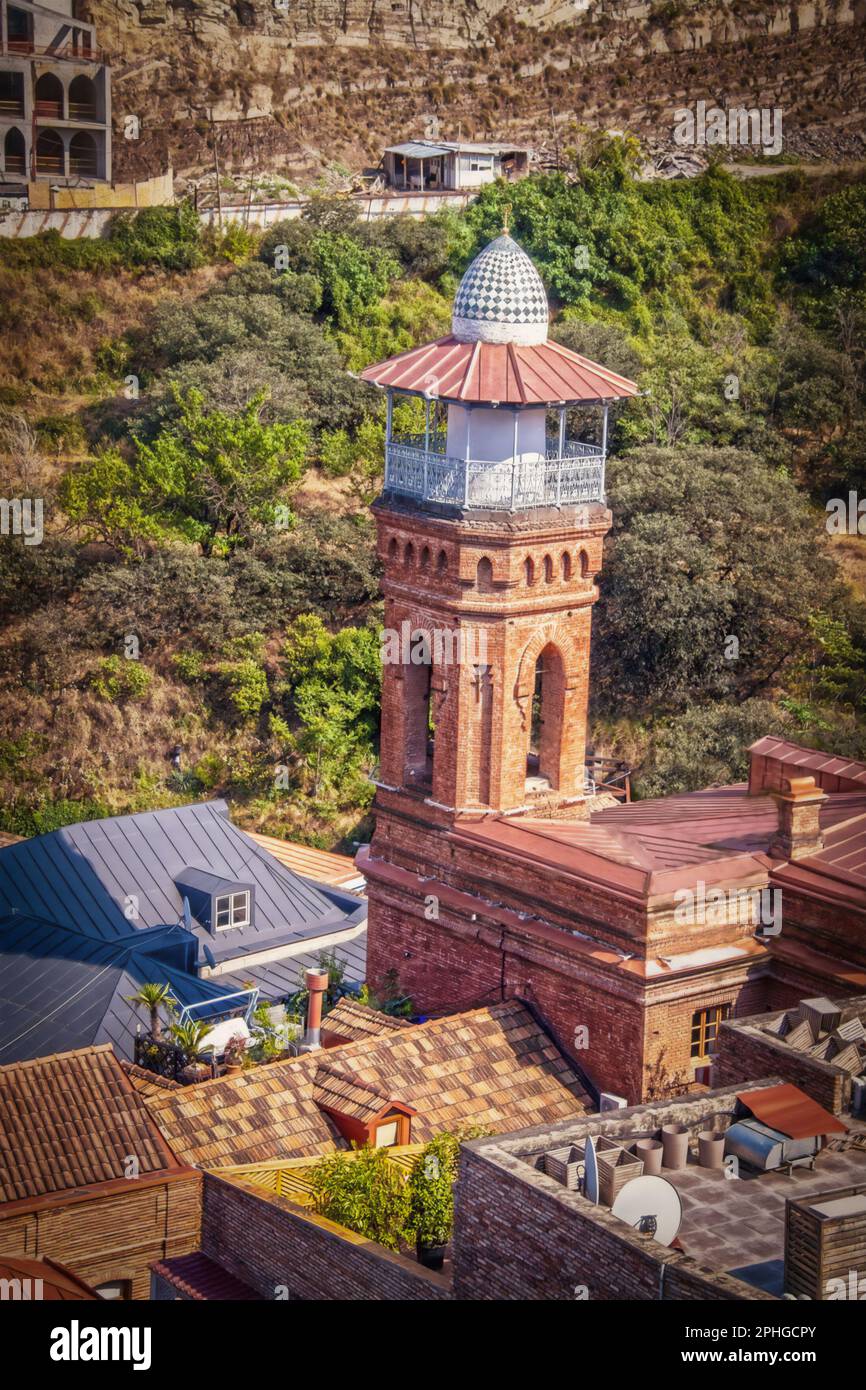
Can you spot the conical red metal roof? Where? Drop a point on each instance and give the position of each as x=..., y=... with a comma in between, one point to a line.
x=499, y=374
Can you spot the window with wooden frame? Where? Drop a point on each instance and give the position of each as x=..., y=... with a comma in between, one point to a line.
x=231, y=910
x=705, y=1027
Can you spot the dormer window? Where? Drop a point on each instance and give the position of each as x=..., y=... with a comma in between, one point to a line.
x=217, y=902
x=231, y=910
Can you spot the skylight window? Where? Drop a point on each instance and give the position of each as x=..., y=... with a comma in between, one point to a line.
x=231, y=910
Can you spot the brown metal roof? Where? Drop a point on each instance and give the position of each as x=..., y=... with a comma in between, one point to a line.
x=790, y=1111
x=338, y=870
x=499, y=373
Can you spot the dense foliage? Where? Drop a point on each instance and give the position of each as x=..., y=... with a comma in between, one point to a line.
x=206, y=455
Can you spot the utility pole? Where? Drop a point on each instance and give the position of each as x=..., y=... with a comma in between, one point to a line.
x=216, y=165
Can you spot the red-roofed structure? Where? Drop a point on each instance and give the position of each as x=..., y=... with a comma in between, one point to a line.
x=495, y=870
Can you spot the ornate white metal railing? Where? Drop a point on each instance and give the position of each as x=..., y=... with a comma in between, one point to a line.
x=572, y=477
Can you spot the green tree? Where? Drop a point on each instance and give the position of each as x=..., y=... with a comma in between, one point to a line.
x=366, y=1192
x=714, y=567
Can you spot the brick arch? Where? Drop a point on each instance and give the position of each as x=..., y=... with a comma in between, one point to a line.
x=550, y=635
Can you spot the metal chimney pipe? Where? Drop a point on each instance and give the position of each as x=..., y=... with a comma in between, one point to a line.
x=317, y=984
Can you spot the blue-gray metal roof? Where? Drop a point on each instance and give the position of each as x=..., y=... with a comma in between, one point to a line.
x=61, y=989
x=86, y=875
x=69, y=954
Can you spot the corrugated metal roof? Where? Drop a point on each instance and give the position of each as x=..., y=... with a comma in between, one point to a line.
x=499, y=373
x=790, y=1111
x=418, y=150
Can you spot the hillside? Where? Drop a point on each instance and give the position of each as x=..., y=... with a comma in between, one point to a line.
x=299, y=90
x=201, y=614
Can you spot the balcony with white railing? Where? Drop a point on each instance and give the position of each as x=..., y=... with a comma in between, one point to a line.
x=571, y=473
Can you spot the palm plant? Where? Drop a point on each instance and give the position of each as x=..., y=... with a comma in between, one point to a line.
x=153, y=997
x=189, y=1037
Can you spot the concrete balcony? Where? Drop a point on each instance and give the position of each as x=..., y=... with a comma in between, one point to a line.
x=417, y=467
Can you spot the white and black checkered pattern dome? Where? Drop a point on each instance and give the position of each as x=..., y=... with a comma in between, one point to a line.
x=501, y=298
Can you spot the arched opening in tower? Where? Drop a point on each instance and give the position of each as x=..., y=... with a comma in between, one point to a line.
x=420, y=716
x=545, y=730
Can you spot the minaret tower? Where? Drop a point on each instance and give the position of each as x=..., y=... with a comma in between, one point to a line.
x=490, y=530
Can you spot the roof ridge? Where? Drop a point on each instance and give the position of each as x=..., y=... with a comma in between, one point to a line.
x=87, y=1050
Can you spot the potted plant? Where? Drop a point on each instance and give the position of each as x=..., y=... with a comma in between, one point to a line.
x=431, y=1198
x=189, y=1037
x=235, y=1054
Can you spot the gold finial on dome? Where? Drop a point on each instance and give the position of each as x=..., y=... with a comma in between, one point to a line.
x=506, y=214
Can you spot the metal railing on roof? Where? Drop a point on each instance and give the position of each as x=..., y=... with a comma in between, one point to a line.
x=567, y=475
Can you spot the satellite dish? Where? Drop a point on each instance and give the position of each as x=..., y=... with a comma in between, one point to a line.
x=187, y=914
x=590, y=1172
x=650, y=1205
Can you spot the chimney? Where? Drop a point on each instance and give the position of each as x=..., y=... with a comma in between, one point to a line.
x=799, y=830
x=317, y=984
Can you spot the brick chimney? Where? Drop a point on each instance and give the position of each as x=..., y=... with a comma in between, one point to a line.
x=317, y=984
x=799, y=831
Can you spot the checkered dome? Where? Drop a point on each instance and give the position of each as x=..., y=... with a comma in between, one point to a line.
x=501, y=298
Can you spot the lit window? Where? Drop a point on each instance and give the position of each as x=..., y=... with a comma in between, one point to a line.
x=117, y=1290
x=705, y=1027
x=232, y=910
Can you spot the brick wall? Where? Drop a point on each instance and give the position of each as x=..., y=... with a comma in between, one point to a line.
x=114, y=1237
x=742, y=1054
x=519, y=1235
x=271, y=1244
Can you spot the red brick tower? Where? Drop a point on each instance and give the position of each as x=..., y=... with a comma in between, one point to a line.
x=490, y=530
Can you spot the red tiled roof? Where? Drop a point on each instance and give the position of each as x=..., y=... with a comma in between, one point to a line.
x=500, y=373
x=790, y=1111
x=495, y=1067
x=199, y=1277
x=352, y=1021
x=59, y=1284
x=71, y=1121
x=357, y=1099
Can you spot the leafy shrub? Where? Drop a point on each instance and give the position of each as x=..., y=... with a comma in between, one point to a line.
x=167, y=237
x=118, y=679
x=367, y=1193
x=246, y=684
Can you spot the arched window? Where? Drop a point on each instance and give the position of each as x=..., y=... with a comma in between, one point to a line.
x=425, y=558
x=82, y=99
x=392, y=548
x=529, y=570
x=441, y=562
x=545, y=732
x=583, y=562
x=484, y=575
x=409, y=555
x=49, y=96
x=49, y=153
x=565, y=565
x=419, y=712
x=82, y=155
x=548, y=569
x=15, y=152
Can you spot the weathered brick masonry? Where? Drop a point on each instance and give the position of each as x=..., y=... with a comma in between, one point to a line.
x=521, y=1235
x=270, y=1244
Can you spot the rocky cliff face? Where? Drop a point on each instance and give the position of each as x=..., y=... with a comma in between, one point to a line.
x=293, y=86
